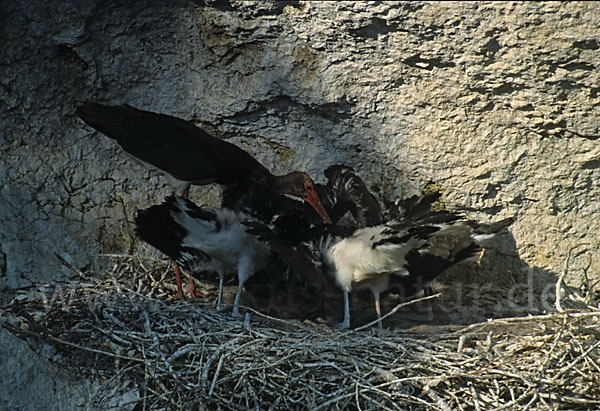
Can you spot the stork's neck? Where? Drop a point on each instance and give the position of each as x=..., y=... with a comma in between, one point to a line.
x=284, y=184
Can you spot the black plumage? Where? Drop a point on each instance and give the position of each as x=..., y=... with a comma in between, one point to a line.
x=402, y=255
x=186, y=154
x=203, y=238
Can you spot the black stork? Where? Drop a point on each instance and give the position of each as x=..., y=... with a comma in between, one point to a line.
x=186, y=154
x=360, y=250
x=406, y=254
x=204, y=238
x=295, y=237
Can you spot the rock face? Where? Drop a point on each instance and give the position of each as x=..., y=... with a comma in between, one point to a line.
x=496, y=103
x=30, y=382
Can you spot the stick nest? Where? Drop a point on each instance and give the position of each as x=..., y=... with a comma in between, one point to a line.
x=174, y=354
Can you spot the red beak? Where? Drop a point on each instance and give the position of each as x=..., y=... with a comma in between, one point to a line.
x=312, y=198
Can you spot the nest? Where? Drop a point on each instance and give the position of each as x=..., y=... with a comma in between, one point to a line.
x=172, y=354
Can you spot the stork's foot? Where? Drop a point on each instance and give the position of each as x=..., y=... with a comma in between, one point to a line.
x=236, y=313
x=344, y=325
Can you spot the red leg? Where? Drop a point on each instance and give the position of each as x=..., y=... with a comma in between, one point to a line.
x=178, y=279
x=193, y=292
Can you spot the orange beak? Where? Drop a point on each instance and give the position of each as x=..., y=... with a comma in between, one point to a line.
x=313, y=199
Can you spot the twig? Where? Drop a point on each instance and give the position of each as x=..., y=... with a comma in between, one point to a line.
x=531, y=318
x=217, y=371
x=574, y=362
x=475, y=397
x=71, y=267
x=588, y=286
x=561, y=278
x=571, y=399
x=70, y=344
x=395, y=309
x=435, y=397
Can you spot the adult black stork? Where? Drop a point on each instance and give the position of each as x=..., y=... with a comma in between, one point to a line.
x=404, y=255
x=186, y=154
x=204, y=238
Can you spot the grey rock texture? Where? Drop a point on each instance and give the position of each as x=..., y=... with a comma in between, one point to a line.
x=493, y=102
x=30, y=382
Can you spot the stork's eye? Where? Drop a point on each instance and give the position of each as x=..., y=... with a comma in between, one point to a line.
x=308, y=187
